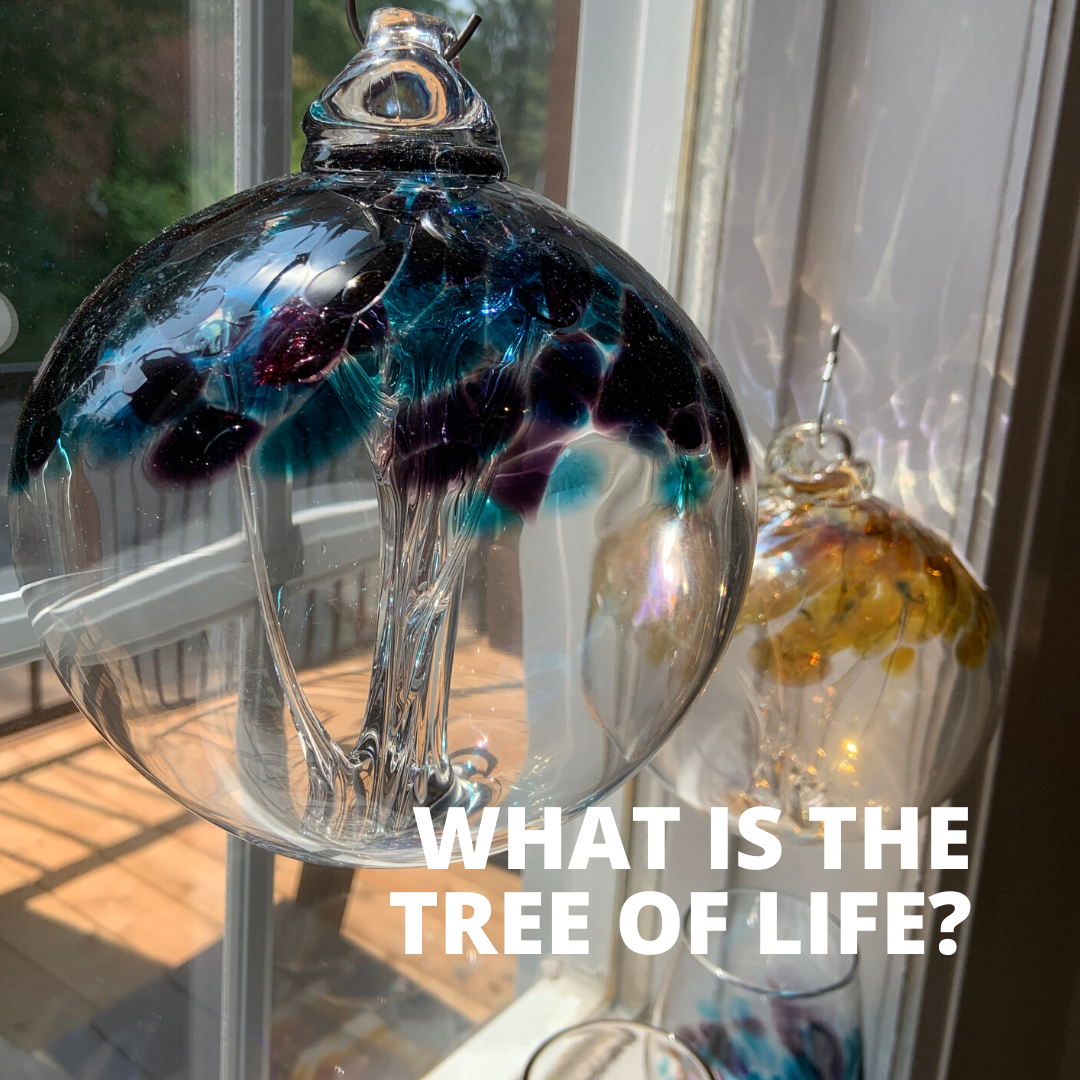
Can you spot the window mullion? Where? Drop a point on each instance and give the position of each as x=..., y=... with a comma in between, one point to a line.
x=262, y=86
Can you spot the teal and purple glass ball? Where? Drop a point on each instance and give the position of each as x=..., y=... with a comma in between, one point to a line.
x=384, y=485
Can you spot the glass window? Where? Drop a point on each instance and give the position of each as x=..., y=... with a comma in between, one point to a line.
x=97, y=158
x=114, y=123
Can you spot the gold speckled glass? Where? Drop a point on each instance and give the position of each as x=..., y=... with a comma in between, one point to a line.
x=865, y=663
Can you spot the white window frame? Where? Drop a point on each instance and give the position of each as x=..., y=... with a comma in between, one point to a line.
x=695, y=188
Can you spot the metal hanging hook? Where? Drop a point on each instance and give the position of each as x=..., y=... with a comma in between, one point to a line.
x=462, y=39
x=826, y=383
x=354, y=22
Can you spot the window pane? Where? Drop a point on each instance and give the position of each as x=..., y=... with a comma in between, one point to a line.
x=111, y=894
x=96, y=161
x=115, y=121
x=106, y=138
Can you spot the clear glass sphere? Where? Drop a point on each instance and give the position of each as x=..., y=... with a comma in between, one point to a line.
x=364, y=491
x=866, y=662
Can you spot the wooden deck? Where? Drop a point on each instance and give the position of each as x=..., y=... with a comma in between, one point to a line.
x=106, y=884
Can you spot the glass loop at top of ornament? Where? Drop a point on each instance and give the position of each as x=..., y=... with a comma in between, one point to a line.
x=396, y=27
x=402, y=105
x=449, y=49
x=818, y=462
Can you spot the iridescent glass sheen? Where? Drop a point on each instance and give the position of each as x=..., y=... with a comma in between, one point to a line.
x=397, y=404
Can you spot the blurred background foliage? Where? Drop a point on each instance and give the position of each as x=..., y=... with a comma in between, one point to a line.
x=95, y=144
x=93, y=155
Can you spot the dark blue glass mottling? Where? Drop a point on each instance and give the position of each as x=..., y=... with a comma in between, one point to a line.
x=473, y=319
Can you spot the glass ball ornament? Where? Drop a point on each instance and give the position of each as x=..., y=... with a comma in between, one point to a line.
x=866, y=662
x=385, y=485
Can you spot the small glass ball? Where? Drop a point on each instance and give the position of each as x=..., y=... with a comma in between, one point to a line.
x=866, y=663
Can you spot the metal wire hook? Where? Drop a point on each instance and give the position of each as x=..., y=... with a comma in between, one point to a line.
x=354, y=22
x=462, y=39
x=826, y=383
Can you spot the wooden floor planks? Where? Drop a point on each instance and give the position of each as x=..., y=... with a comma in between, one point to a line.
x=106, y=883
